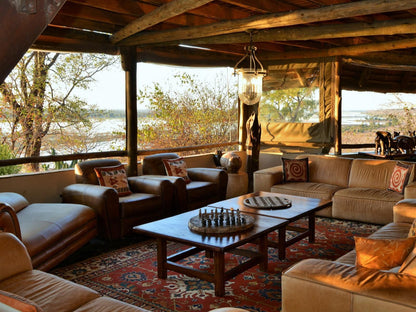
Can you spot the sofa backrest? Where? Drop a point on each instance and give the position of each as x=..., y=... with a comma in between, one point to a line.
x=372, y=173
x=329, y=169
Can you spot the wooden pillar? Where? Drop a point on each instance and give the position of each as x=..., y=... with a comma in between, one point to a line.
x=129, y=64
x=336, y=98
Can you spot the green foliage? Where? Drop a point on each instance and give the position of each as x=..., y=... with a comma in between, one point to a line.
x=188, y=113
x=288, y=105
x=6, y=153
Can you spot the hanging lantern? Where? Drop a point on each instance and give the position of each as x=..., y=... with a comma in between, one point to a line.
x=250, y=80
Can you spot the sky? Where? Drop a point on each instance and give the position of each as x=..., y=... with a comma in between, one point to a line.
x=108, y=91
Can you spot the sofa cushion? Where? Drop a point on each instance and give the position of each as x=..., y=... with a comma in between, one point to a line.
x=382, y=254
x=307, y=189
x=16, y=303
x=143, y=202
x=409, y=265
x=329, y=170
x=295, y=170
x=106, y=304
x=50, y=292
x=372, y=173
x=400, y=177
x=44, y=225
x=365, y=204
x=389, y=231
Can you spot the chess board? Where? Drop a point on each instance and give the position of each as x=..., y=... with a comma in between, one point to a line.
x=220, y=222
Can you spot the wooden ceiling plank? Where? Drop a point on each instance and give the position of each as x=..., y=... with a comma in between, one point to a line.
x=333, y=12
x=157, y=16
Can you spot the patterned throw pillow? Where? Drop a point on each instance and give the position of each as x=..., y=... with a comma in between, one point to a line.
x=382, y=254
x=400, y=177
x=176, y=167
x=18, y=303
x=295, y=170
x=115, y=177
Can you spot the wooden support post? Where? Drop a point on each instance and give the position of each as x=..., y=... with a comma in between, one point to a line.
x=336, y=98
x=129, y=64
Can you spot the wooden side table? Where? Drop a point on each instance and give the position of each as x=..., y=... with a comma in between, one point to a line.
x=237, y=184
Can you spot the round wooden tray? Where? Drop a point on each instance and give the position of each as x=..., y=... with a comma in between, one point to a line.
x=195, y=224
x=268, y=202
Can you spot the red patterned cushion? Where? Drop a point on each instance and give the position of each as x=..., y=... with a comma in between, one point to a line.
x=295, y=170
x=382, y=254
x=18, y=303
x=176, y=167
x=400, y=177
x=115, y=177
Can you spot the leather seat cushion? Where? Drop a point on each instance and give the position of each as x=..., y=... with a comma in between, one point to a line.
x=200, y=190
x=365, y=204
x=43, y=225
x=307, y=189
x=106, y=304
x=48, y=291
x=389, y=231
x=139, y=202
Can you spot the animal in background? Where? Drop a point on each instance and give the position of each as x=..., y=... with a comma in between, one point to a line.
x=383, y=142
x=405, y=143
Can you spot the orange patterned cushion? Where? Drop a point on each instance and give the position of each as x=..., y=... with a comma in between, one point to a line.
x=18, y=303
x=295, y=170
x=176, y=167
x=115, y=177
x=382, y=254
x=400, y=177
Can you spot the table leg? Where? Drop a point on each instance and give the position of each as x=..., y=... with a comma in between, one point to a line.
x=312, y=228
x=219, y=270
x=282, y=243
x=264, y=251
x=162, y=271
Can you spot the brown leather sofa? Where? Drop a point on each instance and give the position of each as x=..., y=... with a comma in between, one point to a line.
x=208, y=185
x=358, y=187
x=151, y=199
x=45, y=291
x=314, y=285
x=51, y=232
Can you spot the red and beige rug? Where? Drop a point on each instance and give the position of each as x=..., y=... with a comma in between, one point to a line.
x=129, y=274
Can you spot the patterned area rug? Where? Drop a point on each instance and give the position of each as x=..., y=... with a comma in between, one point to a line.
x=129, y=274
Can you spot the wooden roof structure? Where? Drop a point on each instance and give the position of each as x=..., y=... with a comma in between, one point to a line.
x=376, y=38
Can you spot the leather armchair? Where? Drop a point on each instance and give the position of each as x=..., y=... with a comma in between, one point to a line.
x=50, y=231
x=208, y=185
x=151, y=199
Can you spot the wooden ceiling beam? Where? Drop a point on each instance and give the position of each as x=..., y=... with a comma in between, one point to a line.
x=342, y=51
x=332, y=12
x=300, y=33
x=161, y=14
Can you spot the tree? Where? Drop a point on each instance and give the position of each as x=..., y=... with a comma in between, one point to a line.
x=6, y=153
x=288, y=105
x=38, y=97
x=189, y=112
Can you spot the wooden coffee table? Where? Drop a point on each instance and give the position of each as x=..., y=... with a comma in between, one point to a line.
x=176, y=229
x=301, y=207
